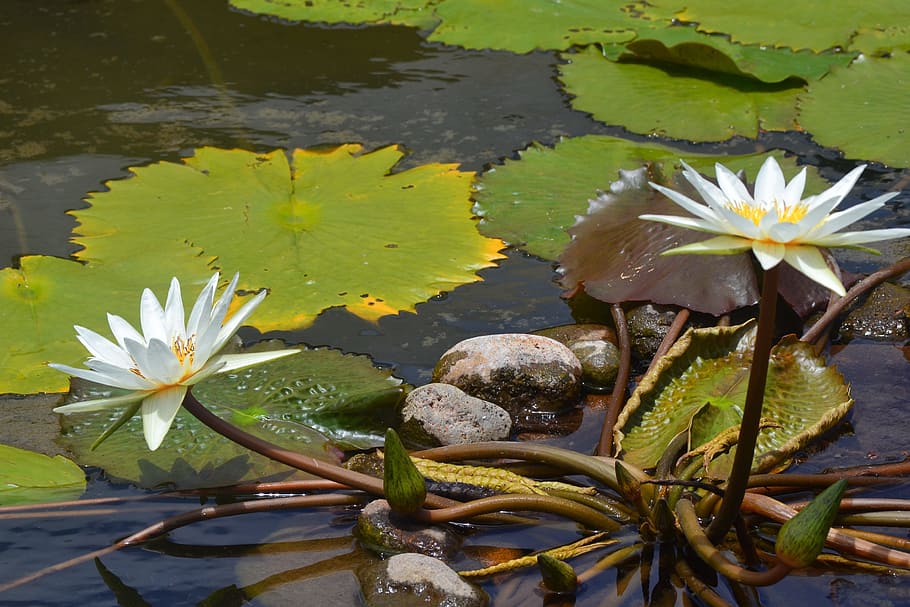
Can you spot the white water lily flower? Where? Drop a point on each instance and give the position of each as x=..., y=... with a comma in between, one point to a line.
x=169, y=355
x=776, y=223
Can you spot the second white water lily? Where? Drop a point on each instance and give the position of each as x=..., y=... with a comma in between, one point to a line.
x=775, y=222
x=171, y=354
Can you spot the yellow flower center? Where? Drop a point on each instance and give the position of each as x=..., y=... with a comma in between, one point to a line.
x=755, y=212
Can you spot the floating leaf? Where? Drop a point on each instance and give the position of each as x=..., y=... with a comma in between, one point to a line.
x=699, y=387
x=878, y=43
x=27, y=477
x=813, y=24
x=531, y=202
x=297, y=402
x=863, y=110
x=672, y=101
x=397, y=12
x=336, y=230
x=616, y=257
x=521, y=26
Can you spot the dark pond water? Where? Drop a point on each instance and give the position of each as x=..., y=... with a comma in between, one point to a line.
x=90, y=87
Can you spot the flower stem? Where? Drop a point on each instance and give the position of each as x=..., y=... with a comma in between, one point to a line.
x=736, y=484
x=618, y=398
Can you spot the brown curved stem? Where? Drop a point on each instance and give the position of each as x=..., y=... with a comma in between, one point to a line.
x=676, y=327
x=702, y=590
x=755, y=394
x=618, y=398
x=695, y=535
x=181, y=520
x=866, y=284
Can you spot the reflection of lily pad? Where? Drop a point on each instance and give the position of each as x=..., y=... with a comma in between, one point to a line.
x=863, y=110
x=532, y=201
x=699, y=387
x=29, y=477
x=676, y=102
x=282, y=402
x=333, y=229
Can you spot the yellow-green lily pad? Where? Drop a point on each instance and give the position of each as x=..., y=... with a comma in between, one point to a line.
x=398, y=12
x=27, y=477
x=699, y=388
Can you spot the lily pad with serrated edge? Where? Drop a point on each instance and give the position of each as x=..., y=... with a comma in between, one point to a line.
x=531, y=202
x=333, y=227
x=27, y=477
x=863, y=110
x=709, y=368
x=305, y=403
x=672, y=101
x=811, y=24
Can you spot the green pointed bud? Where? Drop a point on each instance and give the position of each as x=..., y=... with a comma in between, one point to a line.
x=405, y=488
x=631, y=489
x=802, y=538
x=558, y=576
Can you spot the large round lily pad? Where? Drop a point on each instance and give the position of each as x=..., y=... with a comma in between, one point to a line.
x=699, y=388
x=27, y=477
x=305, y=402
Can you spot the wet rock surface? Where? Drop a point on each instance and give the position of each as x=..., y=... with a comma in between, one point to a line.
x=883, y=314
x=442, y=414
x=412, y=580
x=594, y=346
x=381, y=530
x=648, y=324
x=523, y=374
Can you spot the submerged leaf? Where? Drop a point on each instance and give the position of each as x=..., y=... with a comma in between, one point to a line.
x=27, y=477
x=300, y=402
x=699, y=387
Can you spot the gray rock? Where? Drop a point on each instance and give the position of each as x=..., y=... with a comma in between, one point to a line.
x=380, y=530
x=883, y=314
x=595, y=347
x=412, y=580
x=442, y=414
x=523, y=374
x=648, y=325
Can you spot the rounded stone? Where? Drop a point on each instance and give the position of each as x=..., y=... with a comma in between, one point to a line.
x=523, y=374
x=648, y=325
x=412, y=580
x=381, y=530
x=442, y=414
x=594, y=346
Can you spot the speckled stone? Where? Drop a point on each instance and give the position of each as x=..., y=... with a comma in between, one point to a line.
x=380, y=530
x=521, y=373
x=442, y=414
x=595, y=347
x=648, y=325
x=412, y=580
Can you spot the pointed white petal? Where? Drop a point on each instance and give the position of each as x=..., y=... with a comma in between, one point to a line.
x=809, y=261
x=210, y=329
x=719, y=245
x=838, y=221
x=689, y=223
x=815, y=217
x=123, y=330
x=228, y=330
x=98, y=404
x=840, y=189
x=163, y=365
x=846, y=239
x=739, y=224
x=101, y=347
x=733, y=188
x=158, y=412
x=239, y=361
x=117, y=379
x=202, y=309
x=214, y=365
x=793, y=193
x=151, y=316
x=784, y=232
x=687, y=203
x=768, y=254
x=709, y=192
x=174, y=319
x=770, y=183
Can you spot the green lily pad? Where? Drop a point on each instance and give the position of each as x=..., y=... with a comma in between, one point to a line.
x=862, y=109
x=672, y=101
x=812, y=24
x=699, y=387
x=397, y=12
x=27, y=477
x=335, y=228
x=882, y=42
x=531, y=202
x=307, y=402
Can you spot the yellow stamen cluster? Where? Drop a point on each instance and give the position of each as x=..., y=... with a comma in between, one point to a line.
x=184, y=349
x=755, y=213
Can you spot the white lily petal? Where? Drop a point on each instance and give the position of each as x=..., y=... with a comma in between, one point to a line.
x=770, y=183
x=793, y=193
x=127, y=383
x=151, y=316
x=768, y=254
x=123, y=330
x=209, y=332
x=239, y=361
x=841, y=219
x=174, y=319
x=237, y=319
x=101, y=347
x=733, y=188
x=719, y=245
x=690, y=223
x=98, y=404
x=840, y=189
x=709, y=192
x=158, y=412
x=163, y=365
x=739, y=224
x=214, y=365
x=784, y=232
x=204, y=303
x=809, y=261
x=813, y=220
x=848, y=239
x=687, y=203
